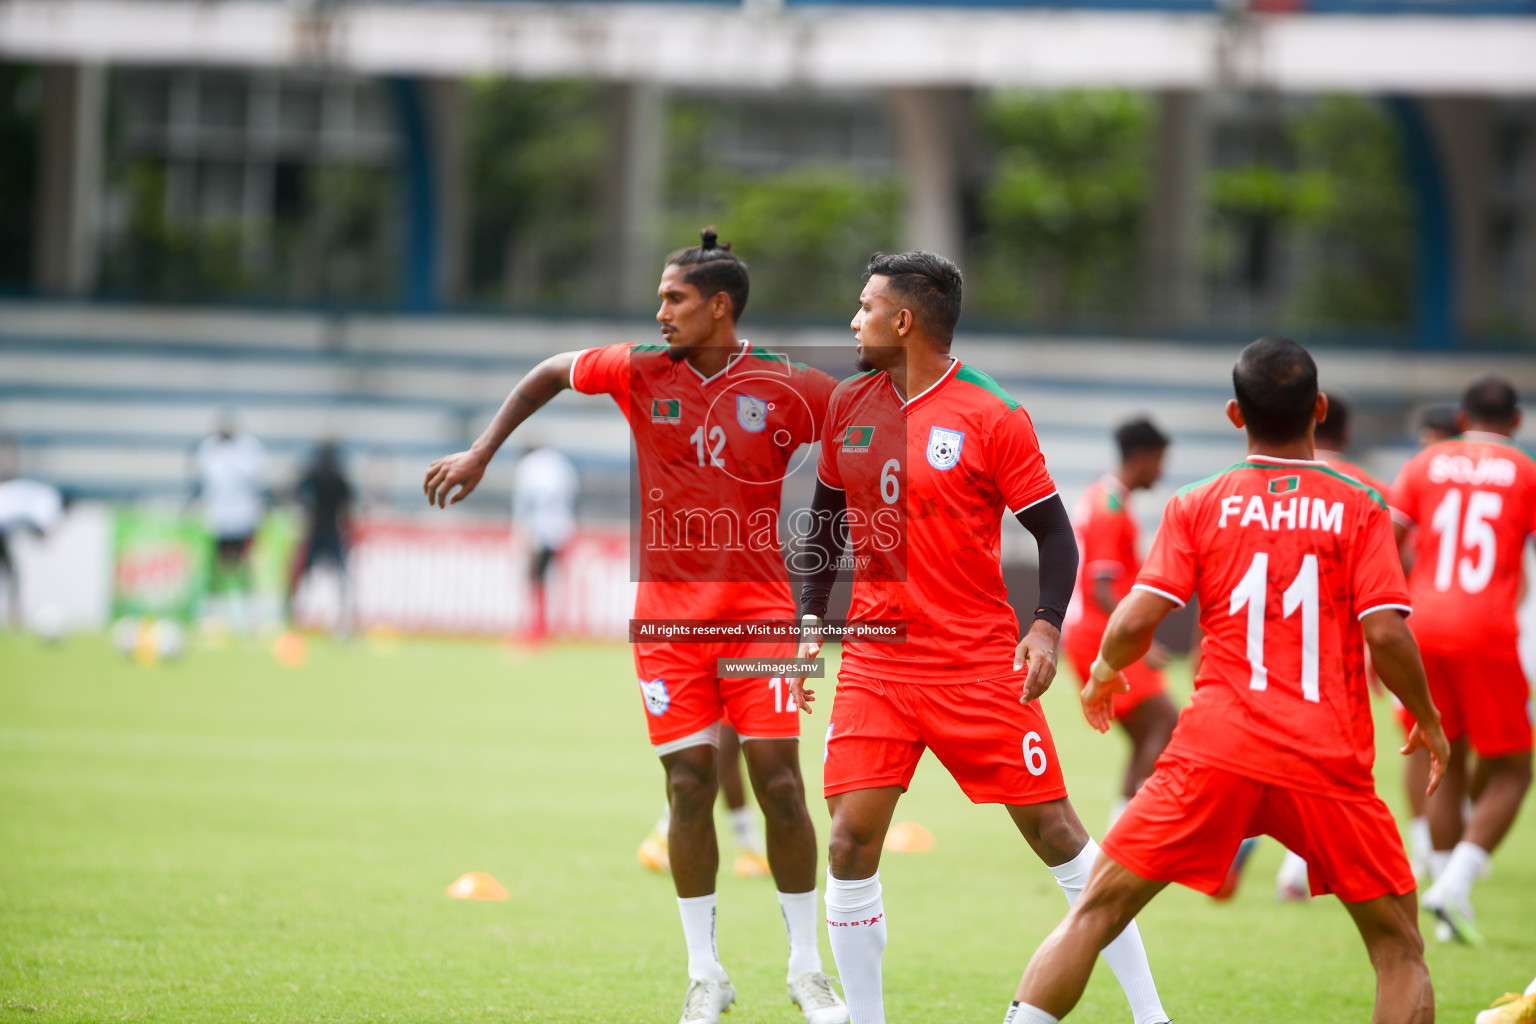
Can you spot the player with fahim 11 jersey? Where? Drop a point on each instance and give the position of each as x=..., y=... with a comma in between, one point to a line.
x=717, y=424
x=1473, y=499
x=1296, y=572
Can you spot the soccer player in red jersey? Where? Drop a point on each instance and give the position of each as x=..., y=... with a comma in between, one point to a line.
x=1473, y=499
x=922, y=456
x=1331, y=439
x=1295, y=570
x=1107, y=539
x=716, y=424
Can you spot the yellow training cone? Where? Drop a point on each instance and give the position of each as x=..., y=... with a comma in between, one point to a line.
x=477, y=885
x=909, y=837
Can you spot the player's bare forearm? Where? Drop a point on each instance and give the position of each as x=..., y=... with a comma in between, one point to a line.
x=1129, y=633
x=1395, y=657
x=542, y=383
x=452, y=478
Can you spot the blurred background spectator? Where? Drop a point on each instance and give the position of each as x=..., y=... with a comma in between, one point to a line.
x=326, y=497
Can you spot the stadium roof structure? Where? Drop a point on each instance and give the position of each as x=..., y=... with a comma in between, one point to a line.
x=1482, y=47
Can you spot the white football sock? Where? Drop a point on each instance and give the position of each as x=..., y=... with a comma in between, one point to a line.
x=1293, y=872
x=1530, y=989
x=856, y=928
x=1419, y=844
x=1023, y=1013
x=800, y=921
x=1438, y=861
x=1116, y=809
x=698, y=913
x=1465, y=863
x=744, y=830
x=1126, y=956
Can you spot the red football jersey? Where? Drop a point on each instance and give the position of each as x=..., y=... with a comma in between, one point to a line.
x=713, y=454
x=1339, y=464
x=928, y=482
x=1473, y=499
x=1285, y=556
x=1106, y=546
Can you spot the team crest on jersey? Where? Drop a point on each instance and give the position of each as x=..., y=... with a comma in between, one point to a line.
x=666, y=410
x=944, y=447
x=1284, y=484
x=856, y=440
x=657, y=699
x=751, y=413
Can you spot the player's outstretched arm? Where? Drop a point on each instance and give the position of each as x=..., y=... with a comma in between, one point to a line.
x=463, y=470
x=1128, y=636
x=1052, y=529
x=1395, y=656
x=816, y=561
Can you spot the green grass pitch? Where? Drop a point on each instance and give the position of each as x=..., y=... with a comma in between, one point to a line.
x=224, y=839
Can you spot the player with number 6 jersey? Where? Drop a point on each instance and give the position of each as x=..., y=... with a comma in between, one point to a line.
x=1473, y=499
x=1295, y=569
x=923, y=456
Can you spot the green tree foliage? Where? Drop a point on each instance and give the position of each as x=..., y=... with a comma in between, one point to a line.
x=162, y=258
x=1334, y=204
x=1061, y=210
x=806, y=231
x=536, y=159
x=1362, y=273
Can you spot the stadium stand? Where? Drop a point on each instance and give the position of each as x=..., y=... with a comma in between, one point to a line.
x=107, y=402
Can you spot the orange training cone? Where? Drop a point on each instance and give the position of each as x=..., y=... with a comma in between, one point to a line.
x=477, y=885
x=909, y=837
x=290, y=649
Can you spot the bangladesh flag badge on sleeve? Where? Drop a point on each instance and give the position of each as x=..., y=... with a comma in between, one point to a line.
x=666, y=410
x=1284, y=484
x=857, y=439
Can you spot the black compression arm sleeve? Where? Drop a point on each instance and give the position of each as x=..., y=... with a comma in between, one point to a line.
x=1052, y=528
x=823, y=548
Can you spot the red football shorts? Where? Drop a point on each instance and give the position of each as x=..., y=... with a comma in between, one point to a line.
x=1145, y=680
x=1186, y=824
x=998, y=750
x=682, y=695
x=1482, y=695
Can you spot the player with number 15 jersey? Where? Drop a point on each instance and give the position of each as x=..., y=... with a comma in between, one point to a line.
x=1473, y=498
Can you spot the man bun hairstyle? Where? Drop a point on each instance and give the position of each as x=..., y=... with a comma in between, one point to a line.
x=1490, y=400
x=712, y=268
x=925, y=283
x=1332, y=430
x=1275, y=381
x=1139, y=434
